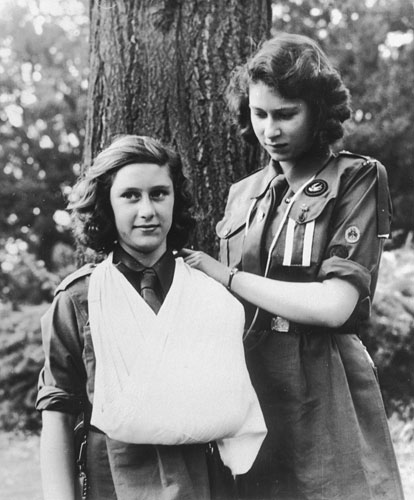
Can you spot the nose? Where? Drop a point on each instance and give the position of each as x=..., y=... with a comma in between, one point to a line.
x=272, y=129
x=146, y=208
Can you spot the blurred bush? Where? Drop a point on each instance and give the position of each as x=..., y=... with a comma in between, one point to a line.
x=24, y=279
x=21, y=359
x=390, y=333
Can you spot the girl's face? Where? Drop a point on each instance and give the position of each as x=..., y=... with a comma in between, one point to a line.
x=142, y=200
x=283, y=126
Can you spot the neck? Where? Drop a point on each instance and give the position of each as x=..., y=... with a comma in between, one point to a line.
x=301, y=170
x=145, y=259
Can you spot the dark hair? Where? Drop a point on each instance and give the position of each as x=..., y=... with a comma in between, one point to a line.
x=92, y=215
x=296, y=67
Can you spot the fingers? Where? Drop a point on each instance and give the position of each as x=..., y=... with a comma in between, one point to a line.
x=184, y=252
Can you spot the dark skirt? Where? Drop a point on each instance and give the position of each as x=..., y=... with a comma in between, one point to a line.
x=328, y=436
x=121, y=471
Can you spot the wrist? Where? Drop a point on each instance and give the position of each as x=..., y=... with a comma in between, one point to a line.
x=232, y=274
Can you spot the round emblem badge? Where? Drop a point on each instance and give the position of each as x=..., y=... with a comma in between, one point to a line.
x=352, y=234
x=316, y=188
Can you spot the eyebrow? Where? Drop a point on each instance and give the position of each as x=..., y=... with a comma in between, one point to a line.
x=282, y=108
x=135, y=188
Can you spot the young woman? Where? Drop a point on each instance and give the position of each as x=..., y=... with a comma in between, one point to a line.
x=147, y=348
x=301, y=242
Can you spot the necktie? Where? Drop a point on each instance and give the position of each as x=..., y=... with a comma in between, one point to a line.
x=147, y=290
x=254, y=242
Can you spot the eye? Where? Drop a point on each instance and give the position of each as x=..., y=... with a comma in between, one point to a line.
x=259, y=113
x=288, y=114
x=131, y=195
x=159, y=194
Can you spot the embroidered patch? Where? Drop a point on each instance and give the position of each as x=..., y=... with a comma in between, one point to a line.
x=339, y=251
x=316, y=188
x=352, y=234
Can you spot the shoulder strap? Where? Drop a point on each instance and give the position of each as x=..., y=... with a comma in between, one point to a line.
x=80, y=273
x=384, y=207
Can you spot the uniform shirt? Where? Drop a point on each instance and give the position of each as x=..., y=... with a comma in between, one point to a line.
x=66, y=381
x=131, y=269
x=334, y=228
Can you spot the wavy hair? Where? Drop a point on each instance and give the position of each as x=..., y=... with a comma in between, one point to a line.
x=92, y=214
x=297, y=68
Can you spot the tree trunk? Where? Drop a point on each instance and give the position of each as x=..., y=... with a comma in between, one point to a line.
x=160, y=68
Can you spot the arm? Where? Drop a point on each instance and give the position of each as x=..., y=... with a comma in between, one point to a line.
x=329, y=303
x=61, y=394
x=57, y=461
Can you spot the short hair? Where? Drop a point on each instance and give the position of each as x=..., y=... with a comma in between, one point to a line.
x=297, y=68
x=92, y=214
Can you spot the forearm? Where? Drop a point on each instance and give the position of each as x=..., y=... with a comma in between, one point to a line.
x=57, y=459
x=329, y=303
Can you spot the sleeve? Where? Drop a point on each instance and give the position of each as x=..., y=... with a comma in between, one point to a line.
x=354, y=249
x=62, y=381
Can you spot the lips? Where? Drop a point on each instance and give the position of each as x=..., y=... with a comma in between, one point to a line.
x=149, y=227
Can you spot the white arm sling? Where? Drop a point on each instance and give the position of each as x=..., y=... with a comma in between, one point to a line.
x=176, y=377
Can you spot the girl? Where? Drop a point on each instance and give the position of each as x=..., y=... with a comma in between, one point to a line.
x=301, y=242
x=148, y=349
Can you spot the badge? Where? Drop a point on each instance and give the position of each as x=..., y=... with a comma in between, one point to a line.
x=339, y=251
x=302, y=216
x=316, y=188
x=352, y=234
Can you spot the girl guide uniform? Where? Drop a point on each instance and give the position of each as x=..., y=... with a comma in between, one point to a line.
x=327, y=429
x=159, y=388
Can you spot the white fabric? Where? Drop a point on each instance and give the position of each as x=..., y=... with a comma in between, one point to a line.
x=178, y=377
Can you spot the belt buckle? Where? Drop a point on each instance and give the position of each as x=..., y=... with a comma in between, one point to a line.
x=279, y=324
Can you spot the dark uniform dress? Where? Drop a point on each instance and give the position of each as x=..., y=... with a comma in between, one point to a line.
x=328, y=436
x=116, y=470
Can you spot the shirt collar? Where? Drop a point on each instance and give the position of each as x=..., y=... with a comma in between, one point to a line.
x=265, y=177
x=164, y=267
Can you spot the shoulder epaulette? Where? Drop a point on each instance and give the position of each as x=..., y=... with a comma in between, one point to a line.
x=80, y=273
x=368, y=159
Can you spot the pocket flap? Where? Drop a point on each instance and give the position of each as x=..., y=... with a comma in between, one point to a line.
x=306, y=209
x=230, y=225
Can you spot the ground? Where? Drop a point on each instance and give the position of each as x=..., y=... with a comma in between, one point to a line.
x=20, y=475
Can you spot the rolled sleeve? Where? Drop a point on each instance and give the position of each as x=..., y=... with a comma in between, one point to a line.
x=62, y=380
x=348, y=270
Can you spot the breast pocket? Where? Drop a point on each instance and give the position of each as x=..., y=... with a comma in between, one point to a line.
x=306, y=230
x=88, y=356
x=231, y=231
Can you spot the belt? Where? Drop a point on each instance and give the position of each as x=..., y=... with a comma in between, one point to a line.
x=282, y=325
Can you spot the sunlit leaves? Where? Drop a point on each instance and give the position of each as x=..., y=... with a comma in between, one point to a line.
x=43, y=83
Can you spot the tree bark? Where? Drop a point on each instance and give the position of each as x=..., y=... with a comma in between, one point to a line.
x=160, y=68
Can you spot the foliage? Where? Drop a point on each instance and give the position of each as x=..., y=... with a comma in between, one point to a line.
x=390, y=334
x=371, y=43
x=22, y=357
x=43, y=85
x=26, y=280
